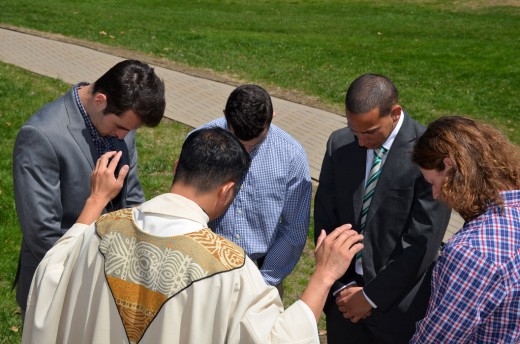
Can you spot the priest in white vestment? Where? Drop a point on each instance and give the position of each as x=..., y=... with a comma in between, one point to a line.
x=157, y=274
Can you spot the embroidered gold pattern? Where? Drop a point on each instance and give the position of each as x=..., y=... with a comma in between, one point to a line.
x=144, y=271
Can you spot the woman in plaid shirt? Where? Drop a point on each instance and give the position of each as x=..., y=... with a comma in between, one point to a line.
x=475, y=170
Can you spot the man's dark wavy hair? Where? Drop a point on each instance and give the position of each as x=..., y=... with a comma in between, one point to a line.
x=133, y=85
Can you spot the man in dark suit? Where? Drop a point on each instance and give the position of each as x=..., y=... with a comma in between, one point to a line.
x=56, y=150
x=386, y=291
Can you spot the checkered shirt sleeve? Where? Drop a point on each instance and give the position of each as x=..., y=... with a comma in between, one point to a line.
x=476, y=283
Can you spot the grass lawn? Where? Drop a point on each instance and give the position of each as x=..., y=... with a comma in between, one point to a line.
x=24, y=93
x=445, y=57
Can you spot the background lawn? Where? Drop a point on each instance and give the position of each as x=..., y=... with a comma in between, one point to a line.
x=458, y=57
x=446, y=57
x=22, y=94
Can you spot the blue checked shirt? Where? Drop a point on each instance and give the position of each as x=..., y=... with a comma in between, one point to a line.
x=270, y=214
x=476, y=282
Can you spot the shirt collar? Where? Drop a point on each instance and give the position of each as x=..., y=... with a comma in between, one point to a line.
x=390, y=140
x=103, y=145
x=81, y=108
x=171, y=204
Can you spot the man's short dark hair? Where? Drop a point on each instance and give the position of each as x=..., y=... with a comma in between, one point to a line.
x=248, y=111
x=370, y=91
x=211, y=157
x=133, y=85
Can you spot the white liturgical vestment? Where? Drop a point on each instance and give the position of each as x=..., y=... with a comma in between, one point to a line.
x=115, y=282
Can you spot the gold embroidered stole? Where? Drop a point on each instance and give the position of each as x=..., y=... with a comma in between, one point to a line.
x=143, y=271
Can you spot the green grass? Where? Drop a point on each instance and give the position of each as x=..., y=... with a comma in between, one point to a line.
x=445, y=57
x=159, y=147
x=22, y=94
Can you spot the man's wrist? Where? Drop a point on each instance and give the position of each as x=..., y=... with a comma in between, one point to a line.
x=98, y=201
x=368, y=299
x=339, y=286
x=325, y=278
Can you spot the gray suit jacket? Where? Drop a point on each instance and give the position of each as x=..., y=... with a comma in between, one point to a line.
x=404, y=226
x=53, y=158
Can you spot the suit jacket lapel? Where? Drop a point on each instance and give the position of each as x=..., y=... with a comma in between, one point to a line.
x=399, y=152
x=78, y=130
x=360, y=189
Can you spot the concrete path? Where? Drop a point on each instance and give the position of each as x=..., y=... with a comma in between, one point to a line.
x=190, y=100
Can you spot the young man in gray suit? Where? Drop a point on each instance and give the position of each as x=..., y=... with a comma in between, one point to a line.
x=368, y=180
x=56, y=150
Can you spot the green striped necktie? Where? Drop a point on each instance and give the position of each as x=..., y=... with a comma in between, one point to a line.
x=370, y=187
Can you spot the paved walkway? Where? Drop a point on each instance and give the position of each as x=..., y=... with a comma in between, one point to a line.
x=190, y=100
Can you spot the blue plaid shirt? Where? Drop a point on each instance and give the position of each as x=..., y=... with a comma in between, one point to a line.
x=476, y=282
x=269, y=217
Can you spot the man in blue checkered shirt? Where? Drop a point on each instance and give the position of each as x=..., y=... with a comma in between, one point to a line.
x=476, y=283
x=269, y=217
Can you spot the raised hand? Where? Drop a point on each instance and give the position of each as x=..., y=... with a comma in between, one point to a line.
x=334, y=252
x=104, y=186
x=103, y=183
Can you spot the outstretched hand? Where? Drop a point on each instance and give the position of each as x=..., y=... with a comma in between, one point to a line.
x=334, y=252
x=104, y=186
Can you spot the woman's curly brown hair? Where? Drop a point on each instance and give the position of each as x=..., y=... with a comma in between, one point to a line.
x=485, y=163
